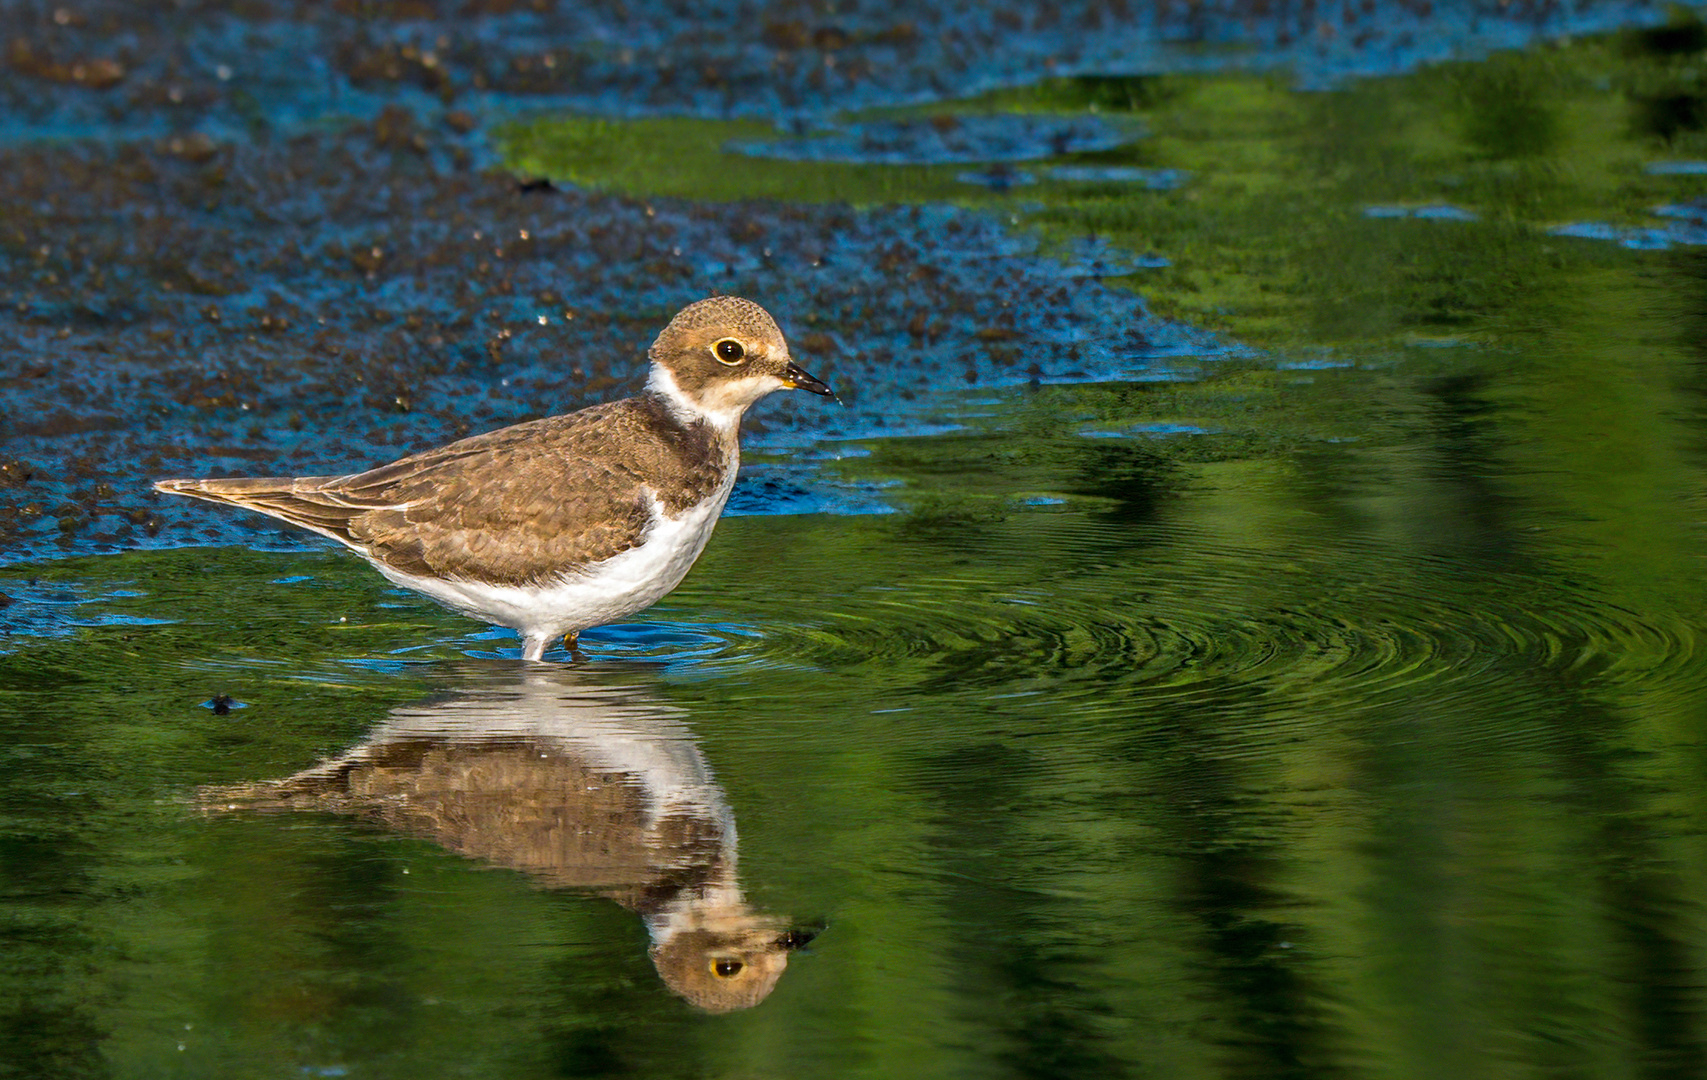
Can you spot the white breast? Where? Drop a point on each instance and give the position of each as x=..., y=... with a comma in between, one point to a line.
x=601, y=593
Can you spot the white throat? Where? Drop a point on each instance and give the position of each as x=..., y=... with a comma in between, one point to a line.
x=661, y=382
x=721, y=407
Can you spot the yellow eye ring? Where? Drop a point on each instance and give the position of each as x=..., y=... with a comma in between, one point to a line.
x=726, y=969
x=728, y=351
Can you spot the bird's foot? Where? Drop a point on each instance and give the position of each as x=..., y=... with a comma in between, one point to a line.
x=571, y=645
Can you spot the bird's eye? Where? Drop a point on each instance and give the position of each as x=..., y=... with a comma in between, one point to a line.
x=726, y=969
x=728, y=351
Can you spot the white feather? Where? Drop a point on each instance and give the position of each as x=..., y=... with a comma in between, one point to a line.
x=597, y=594
x=722, y=405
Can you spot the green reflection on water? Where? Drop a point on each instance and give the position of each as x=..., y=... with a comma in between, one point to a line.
x=1269, y=238
x=1323, y=759
x=1356, y=732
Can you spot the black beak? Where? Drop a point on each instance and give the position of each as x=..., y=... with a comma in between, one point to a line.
x=796, y=377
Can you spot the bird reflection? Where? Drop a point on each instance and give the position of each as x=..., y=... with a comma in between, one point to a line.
x=582, y=786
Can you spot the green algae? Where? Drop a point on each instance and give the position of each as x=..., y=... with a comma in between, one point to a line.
x=1270, y=240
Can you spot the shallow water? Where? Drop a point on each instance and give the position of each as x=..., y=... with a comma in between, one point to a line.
x=1334, y=762
x=1246, y=622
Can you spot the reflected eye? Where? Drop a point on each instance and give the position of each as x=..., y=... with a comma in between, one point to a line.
x=728, y=351
x=726, y=969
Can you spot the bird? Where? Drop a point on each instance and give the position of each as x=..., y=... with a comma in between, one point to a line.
x=555, y=525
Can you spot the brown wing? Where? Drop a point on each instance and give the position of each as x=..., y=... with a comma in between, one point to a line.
x=512, y=506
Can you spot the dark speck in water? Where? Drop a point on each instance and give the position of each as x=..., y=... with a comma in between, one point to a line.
x=222, y=704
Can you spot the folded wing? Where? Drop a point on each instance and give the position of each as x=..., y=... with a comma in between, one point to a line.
x=513, y=506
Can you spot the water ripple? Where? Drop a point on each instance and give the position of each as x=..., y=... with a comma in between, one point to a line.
x=1229, y=622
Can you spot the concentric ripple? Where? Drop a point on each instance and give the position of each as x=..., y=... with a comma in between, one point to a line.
x=1176, y=619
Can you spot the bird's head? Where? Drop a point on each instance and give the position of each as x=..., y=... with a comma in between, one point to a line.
x=720, y=355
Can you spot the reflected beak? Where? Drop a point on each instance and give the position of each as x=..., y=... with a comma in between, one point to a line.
x=795, y=939
x=796, y=377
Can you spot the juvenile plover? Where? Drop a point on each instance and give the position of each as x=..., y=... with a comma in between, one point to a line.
x=555, y=525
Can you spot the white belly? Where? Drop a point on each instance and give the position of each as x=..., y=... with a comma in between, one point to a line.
x=601, y=593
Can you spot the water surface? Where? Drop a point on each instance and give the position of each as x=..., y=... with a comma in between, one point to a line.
x=1245, y=624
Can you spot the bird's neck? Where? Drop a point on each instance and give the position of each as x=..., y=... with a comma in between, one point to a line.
x=726, y=419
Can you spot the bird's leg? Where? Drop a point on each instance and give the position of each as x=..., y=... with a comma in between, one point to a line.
x=533, y=648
